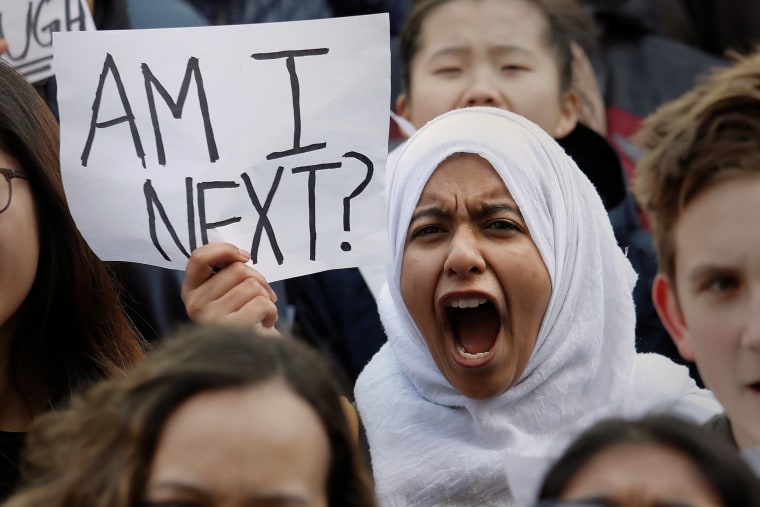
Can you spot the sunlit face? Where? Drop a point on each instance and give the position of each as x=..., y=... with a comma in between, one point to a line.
x=19, y=248
x=642, y=475
x=259, y=446
x=487, y=53
x=472, y=278
x=713, y=312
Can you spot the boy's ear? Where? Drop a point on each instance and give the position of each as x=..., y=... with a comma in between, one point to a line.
x=569, y=108
x=666, y=304
x=401, y=106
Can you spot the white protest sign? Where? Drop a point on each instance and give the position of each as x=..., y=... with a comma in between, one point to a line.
x=271, y=136
x=28, y=27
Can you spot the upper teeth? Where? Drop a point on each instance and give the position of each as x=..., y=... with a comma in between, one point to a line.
x=467, y=302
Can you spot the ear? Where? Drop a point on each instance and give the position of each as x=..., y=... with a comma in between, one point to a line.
x=666, y=303
x=569, y=105
x=402, y=104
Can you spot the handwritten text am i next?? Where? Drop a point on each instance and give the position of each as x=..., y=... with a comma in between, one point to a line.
x=272, y=137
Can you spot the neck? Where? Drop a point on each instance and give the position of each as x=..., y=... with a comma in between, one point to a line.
x=745, y=439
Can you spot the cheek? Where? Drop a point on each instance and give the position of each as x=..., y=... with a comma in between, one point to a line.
x=412, y=280
x=418, y=281
x=430, y=97
x=712, y=330
x=19, y=254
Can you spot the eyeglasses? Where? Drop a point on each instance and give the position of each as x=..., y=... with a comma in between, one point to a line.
x=6, y=189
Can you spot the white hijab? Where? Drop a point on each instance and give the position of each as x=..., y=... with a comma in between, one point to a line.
x=431, y=445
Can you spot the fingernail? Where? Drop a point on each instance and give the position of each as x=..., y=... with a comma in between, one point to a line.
x=244, y=253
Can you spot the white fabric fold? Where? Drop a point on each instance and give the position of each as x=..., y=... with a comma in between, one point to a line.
x=431, y=445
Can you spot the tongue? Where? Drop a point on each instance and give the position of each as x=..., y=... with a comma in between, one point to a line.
x=476, y=328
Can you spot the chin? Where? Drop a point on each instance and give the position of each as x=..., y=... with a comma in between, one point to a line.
x=480, y=392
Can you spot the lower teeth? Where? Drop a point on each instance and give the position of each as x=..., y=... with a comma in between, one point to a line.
x=467, y=355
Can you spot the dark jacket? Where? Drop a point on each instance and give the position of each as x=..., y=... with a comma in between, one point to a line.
x=639, y=68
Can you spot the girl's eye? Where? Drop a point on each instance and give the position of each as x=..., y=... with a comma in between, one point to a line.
x=448, y=71
x=427, y=230
x=513, y=68
x=505, y=225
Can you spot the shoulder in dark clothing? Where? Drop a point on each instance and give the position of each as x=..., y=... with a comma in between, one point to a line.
x=11, y=445
x=721, y=425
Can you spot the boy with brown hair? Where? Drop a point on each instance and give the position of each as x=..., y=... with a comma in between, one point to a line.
x=699, y=180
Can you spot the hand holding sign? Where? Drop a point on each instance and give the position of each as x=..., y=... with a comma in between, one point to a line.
x=220, y=288
x=272, y=137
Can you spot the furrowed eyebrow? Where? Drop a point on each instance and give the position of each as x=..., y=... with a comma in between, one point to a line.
x=493, y=209
x=431, y=212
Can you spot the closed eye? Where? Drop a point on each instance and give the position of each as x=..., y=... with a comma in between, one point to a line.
x=448, y=71
x=514, y=68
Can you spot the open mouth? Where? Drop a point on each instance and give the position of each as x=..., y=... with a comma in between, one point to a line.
x=475, y=324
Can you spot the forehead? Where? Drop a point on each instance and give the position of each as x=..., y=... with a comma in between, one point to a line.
x=719, y=222
x=502, y=22
x=640, y=471
x=217, y=439
x=7, y=161
x=464, y=176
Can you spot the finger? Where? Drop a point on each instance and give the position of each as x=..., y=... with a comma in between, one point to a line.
x=257, y=313
x=205, y=261
x=268, y=332
x=229, y=277
x=235, y=298
x=3, y=46
x=260, y=311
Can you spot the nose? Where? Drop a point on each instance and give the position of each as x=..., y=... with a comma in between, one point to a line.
x=482, y=91
x=465, y=257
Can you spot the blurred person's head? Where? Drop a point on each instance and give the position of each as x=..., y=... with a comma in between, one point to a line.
x=512, y=54
x=653, y=461
x=699, y=181
x=215, y=416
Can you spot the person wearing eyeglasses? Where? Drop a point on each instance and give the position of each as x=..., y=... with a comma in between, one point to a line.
x=61, y=322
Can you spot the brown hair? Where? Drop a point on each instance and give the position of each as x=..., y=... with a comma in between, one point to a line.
x=718, y=463
x=99, y=452
x=72, y=330
x=709, y=135
x=567, y=21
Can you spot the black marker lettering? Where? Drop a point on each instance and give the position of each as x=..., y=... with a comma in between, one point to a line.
x=78, y=20
x=53, y=26
x=152, y=201
x=312, y=170
x=204, y=225
x=192, y=70
x=346, y=246
x=264, y=222
x=109, y=66
x=295, y=89
x=29, y=30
